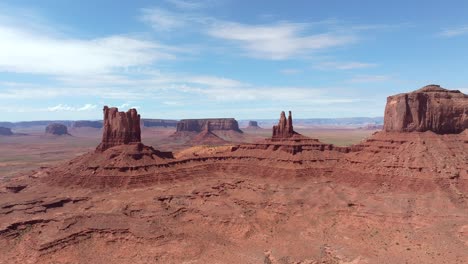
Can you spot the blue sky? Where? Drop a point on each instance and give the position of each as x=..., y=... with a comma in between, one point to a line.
x=65, y=59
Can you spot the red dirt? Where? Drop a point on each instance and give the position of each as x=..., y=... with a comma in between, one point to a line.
x=394, y=198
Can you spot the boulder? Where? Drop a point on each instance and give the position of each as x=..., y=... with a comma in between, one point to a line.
x=120, y=128
x=430, y=108
x=56, y=129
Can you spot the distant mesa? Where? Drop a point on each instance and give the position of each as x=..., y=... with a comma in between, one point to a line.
x=431, y=108
x=56, y=129
x=284, y=129
x=197, y=125
x=372, y=127
x=87, y=123
x=253, y=125
x=5, y=131
x=159, y=123
x=120, y=128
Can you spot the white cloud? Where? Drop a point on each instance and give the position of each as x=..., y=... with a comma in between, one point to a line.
x=29, y=50
x=344, y=65
x=64, y=107
x=278, y=41
x=454, y=32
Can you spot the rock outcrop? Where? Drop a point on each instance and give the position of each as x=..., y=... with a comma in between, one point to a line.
x=284, y=129
x=253, y=125
x=197, y=125
x=120, y=128
x=87, y=123
x=5, y=131
x=430, y=108
x=56, y=129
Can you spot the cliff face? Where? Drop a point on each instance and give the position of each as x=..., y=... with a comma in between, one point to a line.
x=56, y=129
x=429, y=108
x=197, y=125
x=284, y=129
x=120, y=128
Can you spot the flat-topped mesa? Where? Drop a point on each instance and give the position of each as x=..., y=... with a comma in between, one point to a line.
x=284, y=129
x=120, y=128
x=430, y=108
x=197, y=125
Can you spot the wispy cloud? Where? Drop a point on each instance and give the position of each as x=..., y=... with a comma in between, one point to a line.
x=343, y=65
x=454, y=32
x=64, y=107
x=278, y=41
x=28, y=49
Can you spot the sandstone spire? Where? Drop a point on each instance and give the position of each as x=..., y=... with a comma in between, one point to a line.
x=120, y=128
x=284, y=129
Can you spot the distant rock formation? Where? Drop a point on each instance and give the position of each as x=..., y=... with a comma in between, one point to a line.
x=159, y=123
x=120, y=128
x=429, y=108
x=197, y=125
x=87, y=123
x=5, y=131
x=253, y=125
x=206, y=137
x=284, y=129
x=56, y=129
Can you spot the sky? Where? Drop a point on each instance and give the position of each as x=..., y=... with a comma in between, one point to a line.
x=174, y=59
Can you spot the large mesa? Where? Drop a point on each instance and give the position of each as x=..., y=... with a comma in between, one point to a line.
x=5, y=131
x=198, y=125
x=431, y=108
x=120, y=128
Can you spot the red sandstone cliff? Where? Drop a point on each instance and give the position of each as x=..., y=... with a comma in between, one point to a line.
x=120, y=128
x=429, y=108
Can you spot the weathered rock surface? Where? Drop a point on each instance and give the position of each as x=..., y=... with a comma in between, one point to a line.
x=87, y=123
x=284, y=129
x=5, y=131
x=120, y=128
x=56, y=129
x=429, y=108
x=197, y=125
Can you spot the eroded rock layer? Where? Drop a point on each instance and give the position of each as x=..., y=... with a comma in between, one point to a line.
x=429, y=108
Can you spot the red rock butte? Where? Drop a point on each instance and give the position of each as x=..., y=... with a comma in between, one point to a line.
x=430, y=108
x=120, y=128
x=284, y=129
